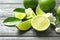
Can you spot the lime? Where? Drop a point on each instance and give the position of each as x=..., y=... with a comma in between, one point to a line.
x=47, y=5
x=58, y=11
x=20, y=15
x=30, y=13
x=40, y=23
x=30, y=3
x=24, y=25
x=39, y=11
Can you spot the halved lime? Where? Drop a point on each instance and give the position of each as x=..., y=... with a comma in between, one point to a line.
x=40, y=23
x=24, y=25
x=39, y=11
x=20, y=15
x=30, y=13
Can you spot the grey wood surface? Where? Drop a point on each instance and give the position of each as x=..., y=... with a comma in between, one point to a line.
x=18, y=1
x=12, y=33
x=29, y=38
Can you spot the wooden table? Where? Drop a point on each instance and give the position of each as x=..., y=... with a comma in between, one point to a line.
x=12, y=33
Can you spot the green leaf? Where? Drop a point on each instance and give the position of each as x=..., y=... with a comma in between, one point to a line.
x=19, y=10
x=57, y=20
x=11, y=21
x=19, y=13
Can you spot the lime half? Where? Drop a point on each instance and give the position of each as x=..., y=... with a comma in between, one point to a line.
x=20, y=15
x=40, y=23
x=24, y=25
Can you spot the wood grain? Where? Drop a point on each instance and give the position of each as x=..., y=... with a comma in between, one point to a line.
x=6, y=10
x=29, y=38
x=11, y=1
x=18, y=1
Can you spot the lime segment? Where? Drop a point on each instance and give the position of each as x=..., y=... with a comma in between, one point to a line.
x=24, y=25
x=20, y=15
x=40, y=23
x=39, y=11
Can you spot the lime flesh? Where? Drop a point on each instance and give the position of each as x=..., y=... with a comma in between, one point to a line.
x=24, y=25
x=20, y=15
x=40, y=23
x=39, y=11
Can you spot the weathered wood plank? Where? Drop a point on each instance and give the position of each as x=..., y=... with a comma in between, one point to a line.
x=57, y=6
x=8, y=9
x=29, y=38
x=18, y=1
x=11, y=1
x=57, y=1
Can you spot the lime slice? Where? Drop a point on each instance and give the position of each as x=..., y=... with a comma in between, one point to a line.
x=39, y=11
x=40, y=23
x=24, y=25
x=30, y=13
x=20, y=15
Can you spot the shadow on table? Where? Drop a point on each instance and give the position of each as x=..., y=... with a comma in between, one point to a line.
x=46, y=33
x=23, y=32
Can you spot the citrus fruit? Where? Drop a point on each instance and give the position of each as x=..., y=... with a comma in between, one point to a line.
x=39, y=11
x=58, y=11
x=24, y=25
x=30, y=3
x=20, y=15
x=47, y=5
x=40, y=23
x=30, y=13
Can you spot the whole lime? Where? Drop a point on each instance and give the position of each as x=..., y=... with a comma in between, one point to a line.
x=58, y=11
x=30, y=3
x=47, y=5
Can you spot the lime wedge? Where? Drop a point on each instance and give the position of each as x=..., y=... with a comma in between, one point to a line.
x=24, y=25
x=30, y=13
x=39, y=11
x=40, y=23
x=20, y=15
